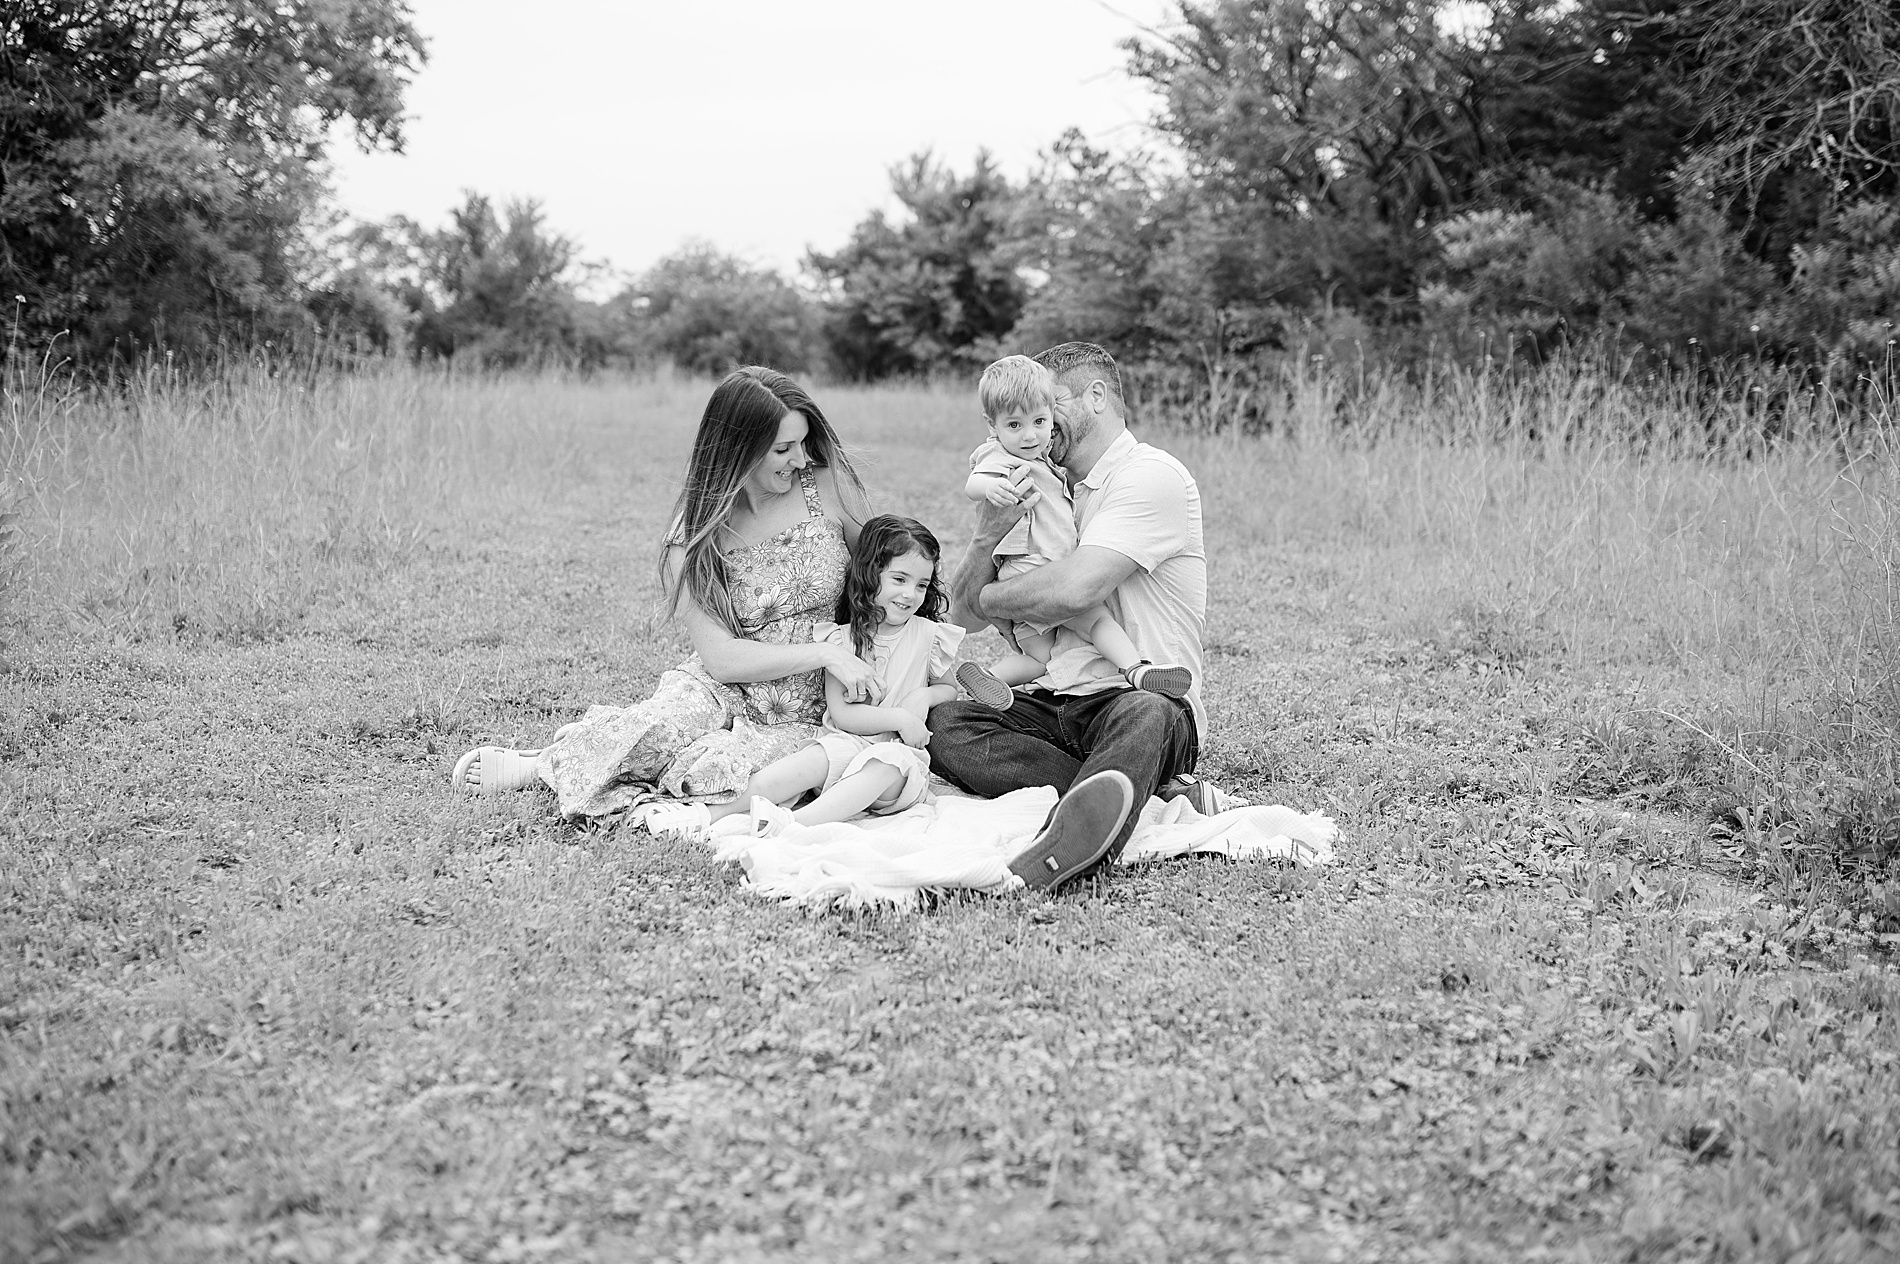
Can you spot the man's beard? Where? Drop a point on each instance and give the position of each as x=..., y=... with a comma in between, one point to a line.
x=1059, y=443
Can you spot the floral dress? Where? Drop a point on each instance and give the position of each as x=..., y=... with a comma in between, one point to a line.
x=699, y=738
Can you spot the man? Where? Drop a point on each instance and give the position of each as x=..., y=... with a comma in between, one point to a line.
x=1105, y=746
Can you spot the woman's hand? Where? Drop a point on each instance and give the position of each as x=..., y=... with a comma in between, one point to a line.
x=854, y=676
x=913, y=730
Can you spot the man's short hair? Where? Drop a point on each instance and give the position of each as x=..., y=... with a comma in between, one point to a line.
x=1076, y=364
x=1015, y=384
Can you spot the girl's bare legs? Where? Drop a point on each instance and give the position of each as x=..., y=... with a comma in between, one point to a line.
x=851, y=795
x=780, y=781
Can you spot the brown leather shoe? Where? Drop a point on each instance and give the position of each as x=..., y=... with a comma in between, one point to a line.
x=1079, y=832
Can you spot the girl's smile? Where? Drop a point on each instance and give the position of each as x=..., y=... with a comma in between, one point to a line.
x=902, y=586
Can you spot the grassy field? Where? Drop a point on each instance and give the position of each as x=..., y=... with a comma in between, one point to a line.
x=1587, y=984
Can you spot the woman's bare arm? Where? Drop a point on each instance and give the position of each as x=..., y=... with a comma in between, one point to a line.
x=734, y=660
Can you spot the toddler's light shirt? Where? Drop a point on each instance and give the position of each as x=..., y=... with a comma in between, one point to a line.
x=1047, y=531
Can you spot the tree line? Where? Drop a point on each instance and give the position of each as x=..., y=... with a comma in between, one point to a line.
x=1689, y=181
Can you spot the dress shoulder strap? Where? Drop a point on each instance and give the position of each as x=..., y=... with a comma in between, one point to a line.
x=814, y=503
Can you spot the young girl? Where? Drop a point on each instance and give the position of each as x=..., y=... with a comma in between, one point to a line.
x=871, y=756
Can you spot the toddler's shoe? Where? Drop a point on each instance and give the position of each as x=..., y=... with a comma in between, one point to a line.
x=985, y=686
x=1170, y=680
x=687, y=822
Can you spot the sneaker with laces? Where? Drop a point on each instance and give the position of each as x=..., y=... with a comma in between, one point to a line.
x=1078, y=834
x=985, y=686
x=1170, y=680
x=685, y=821
x=1203, y=796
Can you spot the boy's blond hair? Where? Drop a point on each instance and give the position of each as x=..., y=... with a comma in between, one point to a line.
x=1015, y=384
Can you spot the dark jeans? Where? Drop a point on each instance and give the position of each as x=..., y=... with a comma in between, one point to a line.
x=1047, y=739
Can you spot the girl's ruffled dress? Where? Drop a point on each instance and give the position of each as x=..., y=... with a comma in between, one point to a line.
x=905, y=658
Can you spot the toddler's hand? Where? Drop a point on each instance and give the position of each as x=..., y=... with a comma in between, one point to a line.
x=994, y=517
x=1002, y=495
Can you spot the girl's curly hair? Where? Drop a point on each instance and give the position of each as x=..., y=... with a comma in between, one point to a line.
x=880, y=541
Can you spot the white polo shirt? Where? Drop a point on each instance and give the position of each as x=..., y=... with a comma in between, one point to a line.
x=1143, y=504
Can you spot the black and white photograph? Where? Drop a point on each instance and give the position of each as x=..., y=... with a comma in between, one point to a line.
x=1023, y=631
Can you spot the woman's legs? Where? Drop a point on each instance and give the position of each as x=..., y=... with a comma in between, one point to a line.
x=495, y=770
x=599, y=767
x=488, y=769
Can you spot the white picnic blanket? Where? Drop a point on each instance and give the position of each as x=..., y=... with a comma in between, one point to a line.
x=967, y=843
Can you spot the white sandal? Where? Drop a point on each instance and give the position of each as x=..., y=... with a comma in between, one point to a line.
x=500, y=770
x=769, y=820
x=686, y=821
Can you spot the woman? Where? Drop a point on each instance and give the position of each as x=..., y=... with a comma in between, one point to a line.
x=755, y=556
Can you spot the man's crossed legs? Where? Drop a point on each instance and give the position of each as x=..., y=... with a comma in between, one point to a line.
x=1046, y=739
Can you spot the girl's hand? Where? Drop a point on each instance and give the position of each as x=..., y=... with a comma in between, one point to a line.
x=1001, y=494
x=913, y=730
x=854, y=676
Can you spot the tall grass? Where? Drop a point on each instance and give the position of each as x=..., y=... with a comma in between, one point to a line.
x=1573, y=517
x=1589, y=515
x=1577, y=517
x=226, y=506
x=1596, y=519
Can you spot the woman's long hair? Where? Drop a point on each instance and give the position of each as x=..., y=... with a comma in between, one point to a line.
x=738, y=428
x=883, y=539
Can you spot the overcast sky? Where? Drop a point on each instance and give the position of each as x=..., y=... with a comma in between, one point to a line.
x=762, y=126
